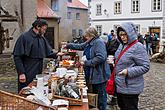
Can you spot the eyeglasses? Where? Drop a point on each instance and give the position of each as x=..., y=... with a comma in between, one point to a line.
x=122, y=34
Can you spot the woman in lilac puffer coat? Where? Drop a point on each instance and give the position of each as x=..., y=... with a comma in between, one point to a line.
x=130, y=68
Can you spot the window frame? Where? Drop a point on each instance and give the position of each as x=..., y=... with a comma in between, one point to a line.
x=152, y=6
x=70, y=1
x=74, y=33
x=98, y=13
x=77, y=17
x=132, y=6
x=80, y=32
x=117, y=9
x=137, y=26
x=115, y=27
x=99, y=29
x=69, y=15
x=55, y=8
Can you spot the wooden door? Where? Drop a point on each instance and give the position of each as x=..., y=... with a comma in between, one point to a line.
x=49, y=35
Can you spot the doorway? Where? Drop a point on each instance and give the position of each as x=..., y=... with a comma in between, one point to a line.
x=49, y=35
x=156, y=30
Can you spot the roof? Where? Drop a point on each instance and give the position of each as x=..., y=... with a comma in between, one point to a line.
x=44, y=11
x=76, y=4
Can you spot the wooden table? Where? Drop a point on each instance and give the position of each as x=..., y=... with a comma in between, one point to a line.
x=84, y=106
x=81, y=107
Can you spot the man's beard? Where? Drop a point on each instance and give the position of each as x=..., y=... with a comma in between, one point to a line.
x=40, y=33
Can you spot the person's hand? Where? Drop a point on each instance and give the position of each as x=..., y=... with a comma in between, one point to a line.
x=60, y=54
x=82, y=63
x=124, y=72
x=22, y=78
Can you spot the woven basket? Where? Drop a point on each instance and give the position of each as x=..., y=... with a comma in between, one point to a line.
x=10, y=101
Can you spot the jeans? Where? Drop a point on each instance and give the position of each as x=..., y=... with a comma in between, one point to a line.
x=102, y=95
x=148, y=48
x=127, y=101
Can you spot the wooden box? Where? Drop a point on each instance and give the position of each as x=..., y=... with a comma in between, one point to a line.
x=92, y=99
x=72, y=101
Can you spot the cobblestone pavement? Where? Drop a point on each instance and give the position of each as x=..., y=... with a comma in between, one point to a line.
x=153, y=97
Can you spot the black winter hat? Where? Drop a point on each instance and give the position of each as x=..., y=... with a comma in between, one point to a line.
x=40, y=23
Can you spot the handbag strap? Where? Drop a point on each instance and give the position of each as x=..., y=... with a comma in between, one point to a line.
x=130, y=45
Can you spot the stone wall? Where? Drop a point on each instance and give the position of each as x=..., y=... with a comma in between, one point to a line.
x=29, y=15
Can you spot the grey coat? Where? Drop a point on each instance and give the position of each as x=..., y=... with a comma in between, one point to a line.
x=99, y=69
x=135, y=60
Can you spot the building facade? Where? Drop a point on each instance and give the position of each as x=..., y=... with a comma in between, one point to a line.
x=66, y=18
x=163, y=33
x=147, y=15
x=74, y=17
x=27, y=13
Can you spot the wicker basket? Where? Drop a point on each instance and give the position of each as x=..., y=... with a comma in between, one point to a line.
x=10, y=101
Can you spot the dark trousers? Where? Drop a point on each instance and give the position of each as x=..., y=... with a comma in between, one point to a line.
x=127, y=102
x=148, y=46
x=102, y=95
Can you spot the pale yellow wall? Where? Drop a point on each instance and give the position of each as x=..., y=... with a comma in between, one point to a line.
x=66, y=25
x=82, y=23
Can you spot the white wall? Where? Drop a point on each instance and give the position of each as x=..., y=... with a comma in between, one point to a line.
x=145, y=9
x=146, y=18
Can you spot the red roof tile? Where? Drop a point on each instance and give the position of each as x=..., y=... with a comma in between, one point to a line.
x=44, y=11
x=76, y=4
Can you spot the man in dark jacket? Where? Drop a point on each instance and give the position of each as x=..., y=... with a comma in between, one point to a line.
x=29, y=51
x=112, y=46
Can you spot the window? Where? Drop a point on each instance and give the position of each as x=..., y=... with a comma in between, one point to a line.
x=80, y=32
x=137, y=27
x=156, y=5
x=115, y=27
x=117, y=8
x=74, y=33
x=99, y=29
x=55, y=5
x=70, y=1
x=135, y=6
x=69, y=15
x=77, y=16
x=98, y=9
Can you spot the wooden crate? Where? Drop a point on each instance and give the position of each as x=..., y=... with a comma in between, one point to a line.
x=92, y=99
x=72, y=101
x=10, y=101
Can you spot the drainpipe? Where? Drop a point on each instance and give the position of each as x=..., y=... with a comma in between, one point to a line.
x=22, y=14
x=58, y=37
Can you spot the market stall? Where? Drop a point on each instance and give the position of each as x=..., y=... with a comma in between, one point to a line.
x=62, y=84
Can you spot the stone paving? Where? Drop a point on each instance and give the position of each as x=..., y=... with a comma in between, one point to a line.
x=153, y=97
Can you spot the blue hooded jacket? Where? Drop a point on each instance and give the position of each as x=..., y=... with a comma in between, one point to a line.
x=135, y=60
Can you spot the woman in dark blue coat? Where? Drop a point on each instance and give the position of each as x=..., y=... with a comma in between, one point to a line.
x=96, y=69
